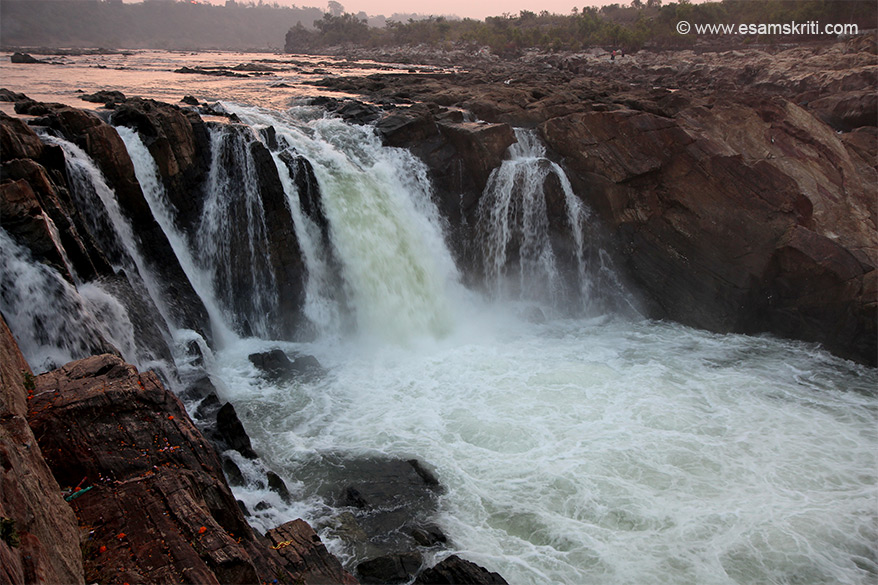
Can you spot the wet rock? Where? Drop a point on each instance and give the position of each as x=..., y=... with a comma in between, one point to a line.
x=189, y=100
x=457, y=571
x=104, y=97
x=703, y=216
x=231, y=431
x=7, y=95
x=278, y=486
x=428, y=536
x=18, y=57
x=156, y=484
x=278, y=367
x=304, y=555
x=40, y=539
x=103, y=144
x=390, y=569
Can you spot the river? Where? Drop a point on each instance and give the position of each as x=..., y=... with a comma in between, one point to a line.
x=591, y=446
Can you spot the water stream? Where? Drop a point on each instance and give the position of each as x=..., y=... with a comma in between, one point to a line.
x=593, y=447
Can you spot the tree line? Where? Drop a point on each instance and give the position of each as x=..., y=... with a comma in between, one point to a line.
x=630, y=27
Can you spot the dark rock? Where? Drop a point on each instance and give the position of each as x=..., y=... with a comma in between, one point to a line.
x=24, y=58
x=847, y=111
x=303, y=554
x=232, y=432
x=428, y=536
x=278, y=486
x=390, y=569
x=233, y=473
x=703, y=217
x=7, y=95
x=104, y=97
x=278, y=367
x=457, y=571
x=189, y=100
x=45, y=547
x=103, y=144
x=156, y=483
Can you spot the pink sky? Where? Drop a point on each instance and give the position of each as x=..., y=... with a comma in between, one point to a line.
x=463, y=8
x=470, y=8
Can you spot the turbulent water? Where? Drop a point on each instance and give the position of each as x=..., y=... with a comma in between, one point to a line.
x=594, y=447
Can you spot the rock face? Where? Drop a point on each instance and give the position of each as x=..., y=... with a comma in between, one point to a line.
x=736, y=218
x=158, y=508
x=40, y=539
x=738, y=186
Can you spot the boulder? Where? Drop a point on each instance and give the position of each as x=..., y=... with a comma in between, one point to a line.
x=454, y=570
x=152, y=497
x=39, y=538
x=279, y=368
x=232, y=432
x=109, y=97
x=303, y=554
x=390, y=569
x=18, y=57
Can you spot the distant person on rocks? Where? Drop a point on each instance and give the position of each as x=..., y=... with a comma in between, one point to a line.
x=613, y=55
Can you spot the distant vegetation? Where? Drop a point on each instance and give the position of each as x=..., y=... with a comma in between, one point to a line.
x=631, y=27
x=156, y=25
x=259, y=25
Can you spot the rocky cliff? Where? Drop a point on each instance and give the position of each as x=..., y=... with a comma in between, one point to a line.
x=738, y=186
x=39, y=539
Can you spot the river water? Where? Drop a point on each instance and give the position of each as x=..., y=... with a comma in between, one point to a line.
x=594, y=446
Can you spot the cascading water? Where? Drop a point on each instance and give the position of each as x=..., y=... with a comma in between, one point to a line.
x=62, y=326
x=579, y=450
x=232, y=240
x=163, y=210
x=534, y=237
x=385, y=230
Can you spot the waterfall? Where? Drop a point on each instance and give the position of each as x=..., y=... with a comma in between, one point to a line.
x=385, y=230
x=52, y=322
x=164, y=213
x=232, y=240
x=535, y=236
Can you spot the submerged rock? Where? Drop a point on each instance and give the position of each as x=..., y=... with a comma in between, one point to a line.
x=278, y=367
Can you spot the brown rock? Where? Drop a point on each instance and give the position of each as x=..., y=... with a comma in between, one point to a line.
x=710, y=208
x=17, y=139
x=304, y=555
x=159, y=509
x=42, y=542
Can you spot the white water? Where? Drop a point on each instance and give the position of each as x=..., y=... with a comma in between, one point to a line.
x=154, y=192
x=603, y=450
x=514, y=229
x=385, y=229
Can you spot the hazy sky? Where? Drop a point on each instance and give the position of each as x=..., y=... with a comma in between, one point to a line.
x=462, y=8
x=471, y=8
